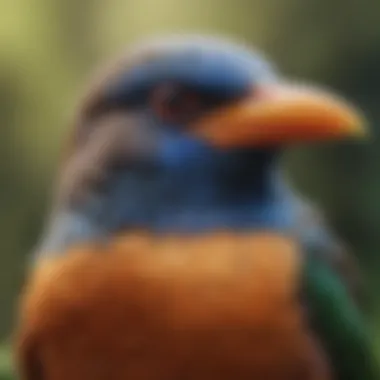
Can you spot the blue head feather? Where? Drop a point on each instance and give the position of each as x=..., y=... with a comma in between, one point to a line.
x=187, y=186
x=221, y=69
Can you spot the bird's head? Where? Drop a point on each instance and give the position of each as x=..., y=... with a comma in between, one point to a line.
x=183, y=129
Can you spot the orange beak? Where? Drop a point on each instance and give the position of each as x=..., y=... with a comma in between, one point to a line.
x=280, y=115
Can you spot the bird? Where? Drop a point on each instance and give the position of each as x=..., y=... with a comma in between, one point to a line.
x=175, y=248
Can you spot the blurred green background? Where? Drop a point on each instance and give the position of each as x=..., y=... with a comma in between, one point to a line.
x=49, y=47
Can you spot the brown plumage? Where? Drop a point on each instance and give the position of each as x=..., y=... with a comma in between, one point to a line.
x=217, y=311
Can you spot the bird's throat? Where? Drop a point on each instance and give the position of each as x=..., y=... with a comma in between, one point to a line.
x=199, y=199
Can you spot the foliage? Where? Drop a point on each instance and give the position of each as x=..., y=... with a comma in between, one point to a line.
x=6, y=371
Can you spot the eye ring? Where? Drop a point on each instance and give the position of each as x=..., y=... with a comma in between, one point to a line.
x=175, y=103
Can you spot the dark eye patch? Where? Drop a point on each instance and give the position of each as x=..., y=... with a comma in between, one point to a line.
x=180, y=103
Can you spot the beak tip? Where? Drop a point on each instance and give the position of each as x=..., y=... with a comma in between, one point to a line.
x=358, y=128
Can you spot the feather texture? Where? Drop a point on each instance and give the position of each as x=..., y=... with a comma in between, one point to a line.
x=158, y=308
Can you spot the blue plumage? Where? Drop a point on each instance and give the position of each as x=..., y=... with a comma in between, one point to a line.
x=196, y=189
x=218, y=70
x=181, y=183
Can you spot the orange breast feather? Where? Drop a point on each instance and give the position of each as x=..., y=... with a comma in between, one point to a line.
x=154, y=308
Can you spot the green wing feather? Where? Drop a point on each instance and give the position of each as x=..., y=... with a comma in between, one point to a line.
x=338, y=322
x=333, y=293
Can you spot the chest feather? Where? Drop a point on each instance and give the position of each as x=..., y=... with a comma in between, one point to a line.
x=223, y=306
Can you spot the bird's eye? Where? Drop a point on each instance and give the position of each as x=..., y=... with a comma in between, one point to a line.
x=176, y=103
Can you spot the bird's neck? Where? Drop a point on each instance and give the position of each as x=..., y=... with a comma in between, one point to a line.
x=227, y=194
